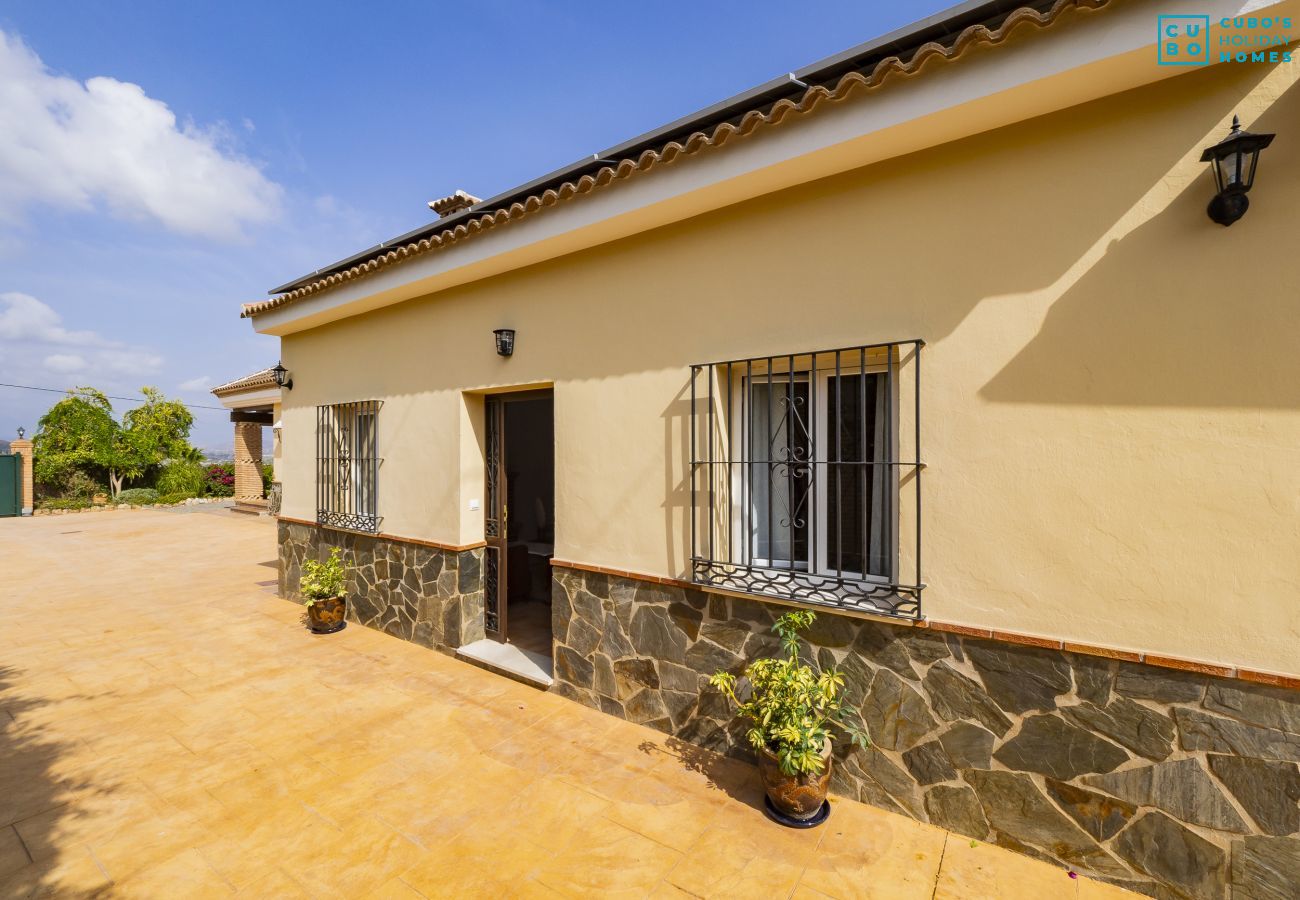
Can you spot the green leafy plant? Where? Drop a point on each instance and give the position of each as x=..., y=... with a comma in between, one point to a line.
x=174, y=498
x=182, y=476
x=63, y=503
x=323, y=580
x=792, y=704
x=138, y=496
x=78, y=485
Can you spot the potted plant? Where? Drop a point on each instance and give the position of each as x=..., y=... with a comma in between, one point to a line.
x=792, y=706
x=322, y=586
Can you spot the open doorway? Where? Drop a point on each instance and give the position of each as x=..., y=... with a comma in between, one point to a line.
x=520, y=520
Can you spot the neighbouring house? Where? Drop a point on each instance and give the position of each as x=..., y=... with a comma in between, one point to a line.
x=934, y=336
x=254, y=404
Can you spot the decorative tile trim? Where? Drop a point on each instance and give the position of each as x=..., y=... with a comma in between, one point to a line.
x=383, y=535
x=1008, y=637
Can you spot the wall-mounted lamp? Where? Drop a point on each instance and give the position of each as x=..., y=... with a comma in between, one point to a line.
x=1233, y=161
x=21, y=431
x=505, y=341
x=281, y=376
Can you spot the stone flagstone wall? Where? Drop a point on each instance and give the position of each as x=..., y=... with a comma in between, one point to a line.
x=427, y=595
x=1167, y=782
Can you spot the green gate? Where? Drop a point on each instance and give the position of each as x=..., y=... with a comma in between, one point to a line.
x=10, y=488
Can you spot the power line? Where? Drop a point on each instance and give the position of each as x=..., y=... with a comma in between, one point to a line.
x=28, y=387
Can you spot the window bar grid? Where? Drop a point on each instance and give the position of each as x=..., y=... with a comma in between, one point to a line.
x=798, y=454
x=347, y=465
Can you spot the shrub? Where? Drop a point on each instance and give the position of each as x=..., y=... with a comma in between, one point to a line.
x=138, y=496
x=268, y=478
x=323, y=580
x=64, y=503
x=177, y=497
x=791, y=704
x=180, y=476
x=220, y=480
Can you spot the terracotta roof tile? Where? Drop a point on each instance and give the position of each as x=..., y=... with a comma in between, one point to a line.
x=850, y=86
x=454, y=203
x=262, y=378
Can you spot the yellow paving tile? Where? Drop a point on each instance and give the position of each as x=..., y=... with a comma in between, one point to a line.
x=357, y=861
x=186, y=874
x=274, y=883
x=1097, y=890
x=550, y=813
x=13, y=855
x=394, y=889
x=477, y=864
x=868, y=853
x=612, y=861
x=74, y=873
x=984, y=870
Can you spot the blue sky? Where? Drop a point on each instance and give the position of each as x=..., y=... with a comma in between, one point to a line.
x=163, y=162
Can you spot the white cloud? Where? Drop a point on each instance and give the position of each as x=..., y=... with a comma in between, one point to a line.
x=198, y=385
x=32, y=334
x=130, y=362
x=65, y=363
x=24, y=318
x=105, y=142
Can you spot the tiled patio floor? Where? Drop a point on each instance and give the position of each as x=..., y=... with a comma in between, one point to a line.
x=169, y=729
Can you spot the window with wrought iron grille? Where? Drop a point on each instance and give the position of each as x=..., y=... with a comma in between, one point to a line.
x=806, y=477
x=347, y=465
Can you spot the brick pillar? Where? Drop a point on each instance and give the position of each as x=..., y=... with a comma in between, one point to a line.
x=248, y=461
x=27, y=490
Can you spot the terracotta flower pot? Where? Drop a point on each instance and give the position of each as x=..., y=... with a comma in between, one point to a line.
x=797, y=796
x=327, y=615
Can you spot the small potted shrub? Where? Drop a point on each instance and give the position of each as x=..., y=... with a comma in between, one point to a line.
x=322, y=586
x=792, y=706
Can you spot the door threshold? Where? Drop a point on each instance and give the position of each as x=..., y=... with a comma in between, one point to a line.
x=506, y=659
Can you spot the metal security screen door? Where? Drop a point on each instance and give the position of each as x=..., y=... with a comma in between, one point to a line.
x=805, y=477
x=494, y=520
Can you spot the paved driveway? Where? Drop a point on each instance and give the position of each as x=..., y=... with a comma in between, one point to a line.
x=168, y=728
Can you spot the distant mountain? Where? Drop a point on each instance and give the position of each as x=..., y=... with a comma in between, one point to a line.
x=4, y=446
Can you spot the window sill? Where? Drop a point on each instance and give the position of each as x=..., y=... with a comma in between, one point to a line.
x=876, y=598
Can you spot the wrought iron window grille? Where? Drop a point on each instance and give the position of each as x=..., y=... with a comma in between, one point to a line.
x=806, y=479
x=347, y=465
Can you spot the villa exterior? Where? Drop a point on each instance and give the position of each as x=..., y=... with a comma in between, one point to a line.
x=254, y=403
x=935, y=337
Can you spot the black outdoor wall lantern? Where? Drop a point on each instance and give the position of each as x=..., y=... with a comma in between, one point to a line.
x=21, y=431
x=505, y=341
x=1233, y=161
x=281, y=376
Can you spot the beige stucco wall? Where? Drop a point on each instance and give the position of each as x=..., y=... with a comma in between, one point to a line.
x=1111, y=384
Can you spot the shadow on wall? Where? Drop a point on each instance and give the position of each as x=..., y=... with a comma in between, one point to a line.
x=1172, y=338
x=913, y=247
x=36, y=812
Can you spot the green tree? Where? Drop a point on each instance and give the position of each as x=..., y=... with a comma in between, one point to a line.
x=75, y=435
x=79, y=433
